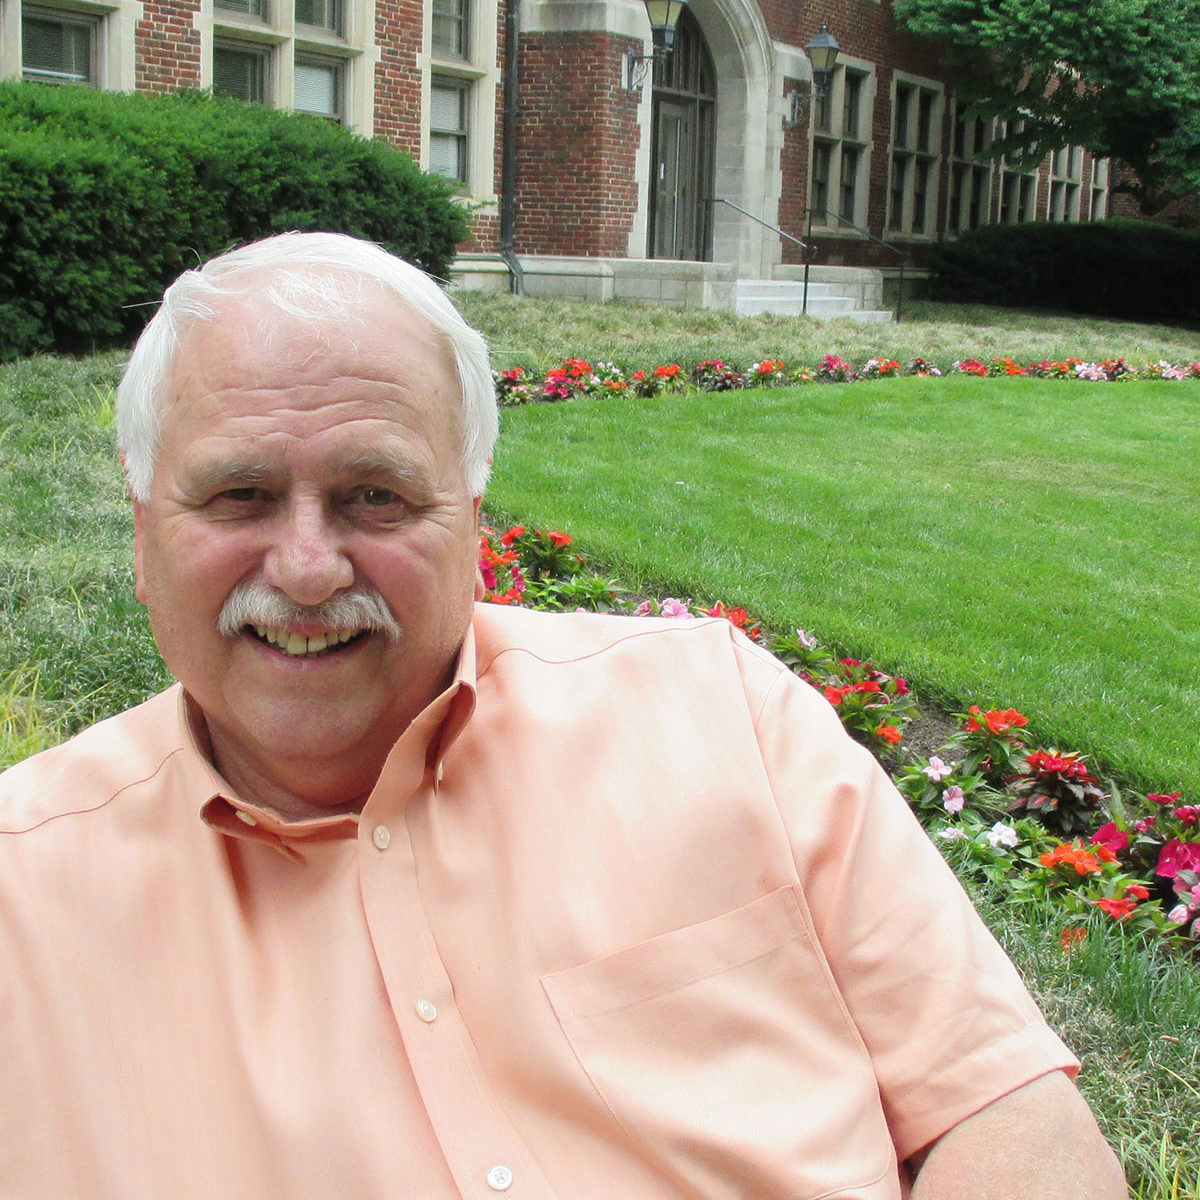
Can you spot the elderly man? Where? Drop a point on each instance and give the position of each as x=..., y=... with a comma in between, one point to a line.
x=399, y=896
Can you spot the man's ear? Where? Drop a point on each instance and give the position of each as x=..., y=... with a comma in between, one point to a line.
x=139, y=537
x=480, y=590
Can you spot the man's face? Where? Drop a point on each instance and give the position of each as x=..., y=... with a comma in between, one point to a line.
x=316, y=463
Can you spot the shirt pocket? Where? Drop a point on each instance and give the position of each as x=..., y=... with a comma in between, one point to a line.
x=726, y=1053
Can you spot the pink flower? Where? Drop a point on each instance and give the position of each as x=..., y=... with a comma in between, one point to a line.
x=677, y=609
x=1160, y=799
x=1179, y=914
x=805, y=639
x=1144, y=824
x=1188, y=814
x=953, y=799
x=1178, y=856
x=952, y=835
x=645, y=609
x=937, y=770
x=1112, y=837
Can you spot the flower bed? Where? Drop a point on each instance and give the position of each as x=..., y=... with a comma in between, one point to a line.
x=1033, y=823
x=578, y=377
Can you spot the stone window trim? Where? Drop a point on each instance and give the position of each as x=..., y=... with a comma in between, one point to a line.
x=277, y=33
x=478, y=75
x=840, y=147
x=1101, y=189
x=915, y=156
x=1064, y=196
x=1017, y=187
x=970, y=173
x=113, y=58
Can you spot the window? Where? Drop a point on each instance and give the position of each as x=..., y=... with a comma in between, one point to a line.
x=1100, y=189
x=840, y=150
x=252, y=8
x=240, y=72
x=58, y=47
x=318, y=87
x=449, y=29
x=916, y=138
x=1018, y=188
x=970, y=179
x=448, y=108
x=1066, y=183
x=324, y=14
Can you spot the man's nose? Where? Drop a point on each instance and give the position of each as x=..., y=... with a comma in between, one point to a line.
x=306, y=558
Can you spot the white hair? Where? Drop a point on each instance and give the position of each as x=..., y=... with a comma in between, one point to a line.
x=292, y=287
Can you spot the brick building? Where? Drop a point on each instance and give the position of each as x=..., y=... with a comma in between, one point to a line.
x=594, y=187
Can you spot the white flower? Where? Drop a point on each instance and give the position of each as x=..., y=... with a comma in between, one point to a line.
x=937, y=770
x=952, y=835
x=1002, y=835
x=953, y=799
x=805, y=639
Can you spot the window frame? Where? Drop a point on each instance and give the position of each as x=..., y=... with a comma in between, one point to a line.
x=464, y=89
x=914, y=156
x=91, y=22
x=969, y=206
x=260, y=52
x=843, y=152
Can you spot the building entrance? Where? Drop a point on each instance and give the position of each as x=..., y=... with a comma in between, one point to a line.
x=684, y=103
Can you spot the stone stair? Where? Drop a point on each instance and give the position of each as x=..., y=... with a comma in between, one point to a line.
x=827, y=299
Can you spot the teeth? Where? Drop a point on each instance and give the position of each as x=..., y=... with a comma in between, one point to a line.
x=296, y=644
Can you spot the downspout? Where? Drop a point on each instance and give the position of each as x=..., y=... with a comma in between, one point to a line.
x=508, y=165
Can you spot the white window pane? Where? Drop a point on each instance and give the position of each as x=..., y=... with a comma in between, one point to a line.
x=446, y=154
x=446, y=108
x=316, y=87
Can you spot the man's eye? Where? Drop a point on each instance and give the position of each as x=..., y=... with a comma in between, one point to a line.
x=241, y=495
x=378, y=497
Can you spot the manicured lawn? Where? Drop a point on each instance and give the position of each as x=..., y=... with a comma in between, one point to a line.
x=1025, y=543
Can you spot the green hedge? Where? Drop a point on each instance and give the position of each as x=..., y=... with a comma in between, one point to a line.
x=1131, y=269
x=105, y=198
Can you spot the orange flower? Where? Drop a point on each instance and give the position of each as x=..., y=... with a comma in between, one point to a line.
x=997, y=721
x=1072, y=854
x=889, y=733
x=559, y=539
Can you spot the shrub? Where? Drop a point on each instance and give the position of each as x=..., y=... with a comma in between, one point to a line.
x=105, y=198
x=1114, y=268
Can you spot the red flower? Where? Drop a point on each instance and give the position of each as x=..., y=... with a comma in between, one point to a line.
x=835, y=695
x=1068, y=939
x=1163, y=799
x=1069, y=766
x=867, y=686
x=1189, y=814
x=1111, y=837
x=1117, y=909
x=889, y=733
x=1138, y=891
x=1178, y=856
x=667, y=372
x=638, y=375
x=560, y=539
x=512, y=535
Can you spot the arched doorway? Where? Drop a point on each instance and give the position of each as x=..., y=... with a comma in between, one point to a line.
x=681, y=150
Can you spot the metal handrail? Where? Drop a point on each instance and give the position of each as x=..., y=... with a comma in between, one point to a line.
x=901, y=254
x=773, y=228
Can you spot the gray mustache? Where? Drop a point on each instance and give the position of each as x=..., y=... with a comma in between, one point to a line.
x=253, y=602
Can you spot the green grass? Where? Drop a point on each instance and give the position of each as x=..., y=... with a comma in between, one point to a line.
x=1015, y=543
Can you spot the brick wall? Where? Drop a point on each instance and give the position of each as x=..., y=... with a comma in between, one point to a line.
x=167, y=46
x=577, y=139
x=397, y=79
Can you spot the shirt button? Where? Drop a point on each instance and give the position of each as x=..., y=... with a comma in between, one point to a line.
x=382, y=837
x=426, y=1010
x=499, y=1178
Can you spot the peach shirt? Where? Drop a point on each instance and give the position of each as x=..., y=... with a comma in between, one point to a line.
x=627, y=917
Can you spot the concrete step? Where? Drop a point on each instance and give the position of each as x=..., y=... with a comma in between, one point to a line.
x=826, y=301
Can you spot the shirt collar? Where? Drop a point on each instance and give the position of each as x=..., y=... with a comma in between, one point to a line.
x=420, y=750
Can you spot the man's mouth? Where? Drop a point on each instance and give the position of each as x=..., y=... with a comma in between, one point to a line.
x=299, y=645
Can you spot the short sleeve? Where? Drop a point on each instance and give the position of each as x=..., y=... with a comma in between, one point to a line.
x=945, y=1016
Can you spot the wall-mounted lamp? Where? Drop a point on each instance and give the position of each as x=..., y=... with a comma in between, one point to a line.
x=664, y=16
x=822, y=53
